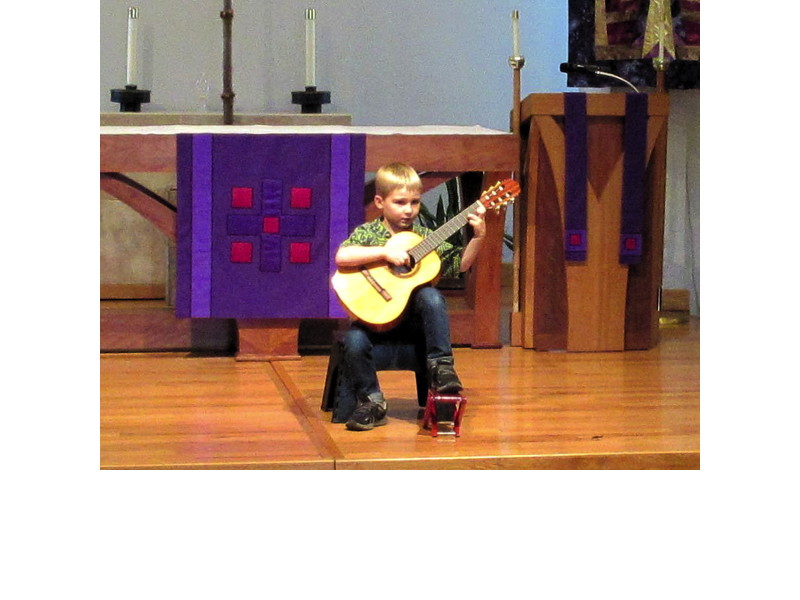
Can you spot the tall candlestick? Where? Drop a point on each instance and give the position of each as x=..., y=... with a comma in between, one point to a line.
x=311, y=17
x=515, y=32
x=311, y=99
x=133, y=19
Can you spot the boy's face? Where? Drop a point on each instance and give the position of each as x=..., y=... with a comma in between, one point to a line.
x=400, y=207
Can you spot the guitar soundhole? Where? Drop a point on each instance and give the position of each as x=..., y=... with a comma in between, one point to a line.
x=403, y=269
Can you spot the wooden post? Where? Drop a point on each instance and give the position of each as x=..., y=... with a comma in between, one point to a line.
x=486, y=274
x=660, y=65
x=515, y=108
x=516, y=63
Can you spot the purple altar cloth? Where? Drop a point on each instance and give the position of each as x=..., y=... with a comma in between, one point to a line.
x=259, y=220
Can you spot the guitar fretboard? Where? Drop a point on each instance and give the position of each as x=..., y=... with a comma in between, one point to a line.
x=435, y=239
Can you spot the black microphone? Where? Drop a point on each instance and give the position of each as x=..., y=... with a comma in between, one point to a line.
x=578, y=68
x=595, y=70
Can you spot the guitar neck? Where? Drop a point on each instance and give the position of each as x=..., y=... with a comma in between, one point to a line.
x=435, y=239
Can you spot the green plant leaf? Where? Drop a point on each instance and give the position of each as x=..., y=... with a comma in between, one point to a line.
x=441, y=216
x=426, y=219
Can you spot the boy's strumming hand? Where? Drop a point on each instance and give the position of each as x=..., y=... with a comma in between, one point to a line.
x=397, y=256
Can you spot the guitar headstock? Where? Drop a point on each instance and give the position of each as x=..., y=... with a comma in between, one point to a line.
x=500, y=194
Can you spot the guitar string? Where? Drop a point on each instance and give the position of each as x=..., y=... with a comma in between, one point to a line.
x=430, y=243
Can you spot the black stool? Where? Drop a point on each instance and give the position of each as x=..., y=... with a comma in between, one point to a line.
x=402, y=356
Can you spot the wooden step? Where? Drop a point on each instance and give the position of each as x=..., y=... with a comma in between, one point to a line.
x=151, y=326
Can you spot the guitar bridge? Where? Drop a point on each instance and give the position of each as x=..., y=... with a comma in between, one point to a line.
x=378, y=287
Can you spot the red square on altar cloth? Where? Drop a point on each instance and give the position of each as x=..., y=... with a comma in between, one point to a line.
x=300, y=252
x=575, y=239
x=301, y=198
x=631, y=243
x=271, y=225
x=242, y=197
x=241, y=252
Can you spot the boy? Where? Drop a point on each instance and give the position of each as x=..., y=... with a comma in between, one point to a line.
x=397, y=194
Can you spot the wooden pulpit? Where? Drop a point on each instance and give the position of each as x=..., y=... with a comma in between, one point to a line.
x=604, y=297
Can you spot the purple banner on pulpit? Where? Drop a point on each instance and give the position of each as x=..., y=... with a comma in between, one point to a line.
x=633, y=179
x=575, y=211
x=260, y=217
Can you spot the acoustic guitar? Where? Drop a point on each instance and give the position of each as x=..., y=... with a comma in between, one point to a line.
x=377, y=293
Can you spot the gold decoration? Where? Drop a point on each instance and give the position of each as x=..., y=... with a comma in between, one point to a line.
x=658, y=31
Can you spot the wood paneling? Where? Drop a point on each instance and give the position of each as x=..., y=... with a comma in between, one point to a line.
x=143, y=326
x=457, y=153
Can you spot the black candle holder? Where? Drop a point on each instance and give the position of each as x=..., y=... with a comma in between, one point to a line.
x=311, y=100
x=130, y=99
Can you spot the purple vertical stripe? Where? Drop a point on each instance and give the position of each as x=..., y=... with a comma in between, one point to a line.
x=270, y=260
x=575, y=128
x=271, y=196
x=339, y=210
x=358, y=158
x=201, y=225
x=183, y=292
x=633, y=173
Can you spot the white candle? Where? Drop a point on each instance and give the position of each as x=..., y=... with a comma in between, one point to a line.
x=133, y=19
x=311, y=16
x=515, y=32
x=661, y=43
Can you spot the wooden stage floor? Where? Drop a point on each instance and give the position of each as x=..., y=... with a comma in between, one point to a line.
x=525, y=410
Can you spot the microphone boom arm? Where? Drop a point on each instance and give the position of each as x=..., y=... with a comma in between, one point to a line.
x=623, y=80
x=594, y=70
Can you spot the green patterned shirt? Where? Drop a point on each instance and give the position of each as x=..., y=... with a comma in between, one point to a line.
x=374, y=233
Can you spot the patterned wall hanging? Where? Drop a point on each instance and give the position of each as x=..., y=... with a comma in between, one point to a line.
x=623, y=37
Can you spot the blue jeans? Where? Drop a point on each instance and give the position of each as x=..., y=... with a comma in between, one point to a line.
x=426, y=322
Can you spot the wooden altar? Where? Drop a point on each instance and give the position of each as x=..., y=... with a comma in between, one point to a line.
x=438, y=153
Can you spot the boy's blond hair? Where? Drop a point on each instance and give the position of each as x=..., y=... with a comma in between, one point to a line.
x=396, y=175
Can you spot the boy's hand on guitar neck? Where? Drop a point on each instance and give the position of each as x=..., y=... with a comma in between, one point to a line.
x=477, y=222
x=471, y=250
